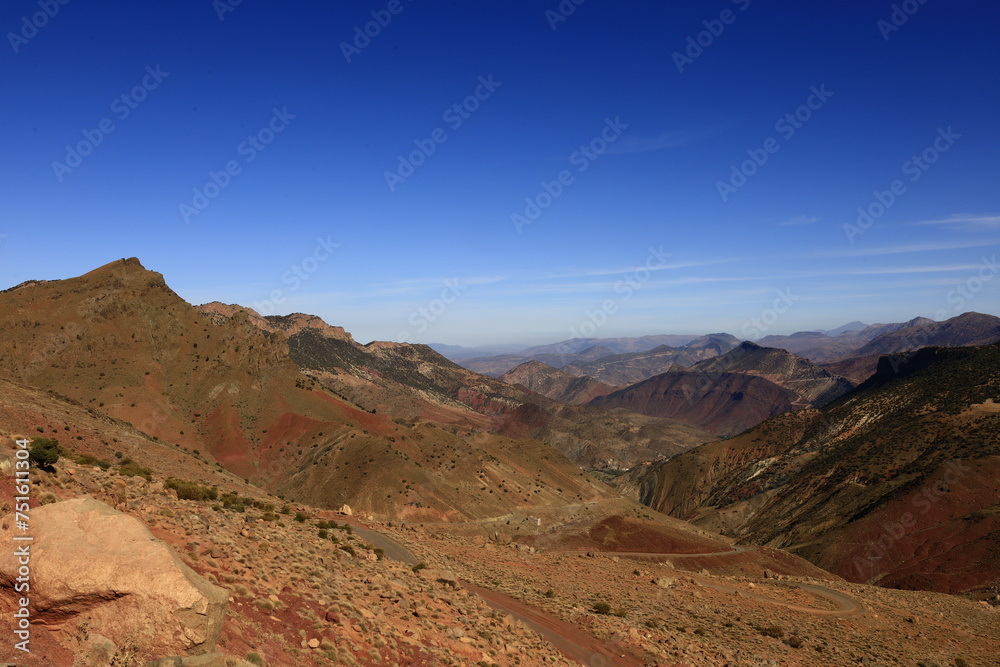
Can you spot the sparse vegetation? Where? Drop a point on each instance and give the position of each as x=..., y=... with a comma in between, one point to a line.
x=44, y=452
x=775, y=631
x=129, y=468
x=191, y=490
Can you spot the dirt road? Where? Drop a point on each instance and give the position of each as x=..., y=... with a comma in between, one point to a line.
x=568, y=639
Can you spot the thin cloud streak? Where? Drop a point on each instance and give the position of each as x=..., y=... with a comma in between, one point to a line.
x=907, y=248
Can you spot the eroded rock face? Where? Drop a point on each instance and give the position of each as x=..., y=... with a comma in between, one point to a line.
x=93, y=564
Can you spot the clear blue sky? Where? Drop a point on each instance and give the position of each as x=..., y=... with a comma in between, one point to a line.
x=672, y=130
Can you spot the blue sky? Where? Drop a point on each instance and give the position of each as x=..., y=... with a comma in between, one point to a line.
x=242, y=150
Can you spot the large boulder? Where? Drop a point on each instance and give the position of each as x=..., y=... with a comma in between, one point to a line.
x=93, y=564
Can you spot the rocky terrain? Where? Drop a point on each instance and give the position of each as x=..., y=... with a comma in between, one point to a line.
x=814, y=385
x=555, y=383
x=214, y=488
x=900, y=475
x=625, y=369
x=723, y=404
x=305, y=586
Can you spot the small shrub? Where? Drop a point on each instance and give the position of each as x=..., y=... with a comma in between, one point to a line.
x=300, y=517
x=89, y=460
x=419, y=566
x=44, y=452
x=191, y=490
x=775, y=631
x=794, y=641
x=602, y=608
x=133, y=469
x=255, y=658
x=550, y=593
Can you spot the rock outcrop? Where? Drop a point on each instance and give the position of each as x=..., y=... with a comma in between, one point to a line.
x=92, y=564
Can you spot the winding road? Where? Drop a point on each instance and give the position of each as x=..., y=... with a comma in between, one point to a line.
x=582, y=647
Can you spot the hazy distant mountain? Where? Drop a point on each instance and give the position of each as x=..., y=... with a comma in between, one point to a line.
x=566, y=352
x=814, y=385
x=905, y=468
x=723, y=404
x=556, y=384
x=615, y=345
x=820, y=347
x=966, y=329
x=460, y=352
x=625, y=369
x=850, y=327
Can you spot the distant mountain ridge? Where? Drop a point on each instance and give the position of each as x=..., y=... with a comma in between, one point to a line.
x=906, y=468
x=814, y=385
x=556, y=384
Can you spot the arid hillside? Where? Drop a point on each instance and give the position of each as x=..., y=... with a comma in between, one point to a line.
x=723, y=404
x=897, y=481
x=120, y=343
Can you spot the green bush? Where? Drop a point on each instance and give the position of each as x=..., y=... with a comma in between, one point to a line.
x=88, y=460
x=44, y=452
x=133, y=469
x=602, y=608
x=191, y=490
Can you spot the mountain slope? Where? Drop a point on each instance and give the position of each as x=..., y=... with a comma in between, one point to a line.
x=902, y=473
x=625, y=369
x=965, y=329
x=814, y=385
x=555, y=383
x=118, y=341
x=723, y=404
x=413, y=383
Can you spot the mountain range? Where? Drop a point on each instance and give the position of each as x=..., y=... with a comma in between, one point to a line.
x=695, y=471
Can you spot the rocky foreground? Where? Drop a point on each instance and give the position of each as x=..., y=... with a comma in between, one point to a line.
x=126, y=573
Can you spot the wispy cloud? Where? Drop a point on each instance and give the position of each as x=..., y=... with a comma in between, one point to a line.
x=966, y=221
x=632, y=143
x=799, y=220
x=621, y=271
x=905, y=248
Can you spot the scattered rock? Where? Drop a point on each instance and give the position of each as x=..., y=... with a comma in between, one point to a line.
x=105, y=568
